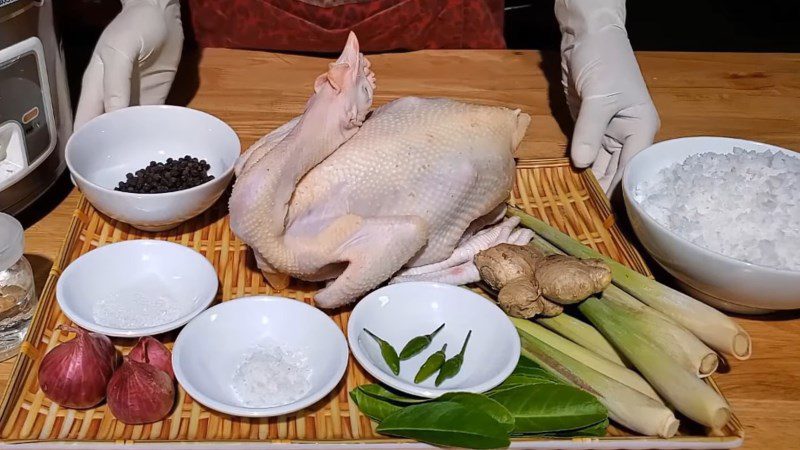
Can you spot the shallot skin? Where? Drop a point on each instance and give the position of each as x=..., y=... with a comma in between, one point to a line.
x=151, y=351
x=75, y=374
x=139, y=393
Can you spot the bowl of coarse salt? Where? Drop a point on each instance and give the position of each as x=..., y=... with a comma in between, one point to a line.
x=722, y=215
x=136, y=288
x=260, y=356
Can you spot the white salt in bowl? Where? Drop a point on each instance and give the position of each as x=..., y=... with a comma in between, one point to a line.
x=400, y=312
x=105, y=149
x=136, y=288
x=723, y=282
x=210, y=349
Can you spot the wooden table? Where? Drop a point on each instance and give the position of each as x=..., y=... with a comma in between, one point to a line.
x=754, y=96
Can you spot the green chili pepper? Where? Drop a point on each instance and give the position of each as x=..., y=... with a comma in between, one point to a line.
x=388, y=352
x=418, y=344
x=451, y=367
x=431, y=365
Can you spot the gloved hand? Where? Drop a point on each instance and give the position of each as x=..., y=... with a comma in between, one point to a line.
x=605, y=91
x=135, y=59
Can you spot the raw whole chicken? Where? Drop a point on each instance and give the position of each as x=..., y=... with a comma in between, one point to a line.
x=337, y=195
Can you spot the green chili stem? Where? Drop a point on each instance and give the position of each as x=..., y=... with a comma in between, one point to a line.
x=466, y=341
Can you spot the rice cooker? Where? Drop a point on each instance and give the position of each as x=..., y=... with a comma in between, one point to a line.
x=35, y=112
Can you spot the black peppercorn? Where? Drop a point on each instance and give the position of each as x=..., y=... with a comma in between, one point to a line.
x=172, y=175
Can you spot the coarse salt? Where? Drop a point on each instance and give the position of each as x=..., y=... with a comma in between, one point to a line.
x=271, y=375
x=141, y=306
x=745, y=204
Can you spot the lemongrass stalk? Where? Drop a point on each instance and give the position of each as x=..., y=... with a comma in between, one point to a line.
x=615, y=371
x=626, y=406
x=582, y=334
x=669, y=337
x=714, y=328
x=679, y=387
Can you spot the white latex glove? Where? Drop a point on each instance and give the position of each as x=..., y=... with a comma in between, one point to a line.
x=616, y=117
x=135, y=59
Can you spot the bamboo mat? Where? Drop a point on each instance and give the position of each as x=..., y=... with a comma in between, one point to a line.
x=550, y=189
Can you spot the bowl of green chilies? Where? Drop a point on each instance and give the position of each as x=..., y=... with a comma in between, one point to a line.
x=428, y=339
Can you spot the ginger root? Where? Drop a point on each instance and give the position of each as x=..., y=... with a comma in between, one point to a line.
x=530, y=283
x=504, y=263
x=522, y=298
x=567, y=280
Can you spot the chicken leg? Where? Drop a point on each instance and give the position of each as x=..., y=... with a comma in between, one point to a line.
x=460, y=268
x=398, y=238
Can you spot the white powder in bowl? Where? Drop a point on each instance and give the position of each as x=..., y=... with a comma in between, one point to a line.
x=271, y=375
x=745, y=205
x=147, y=304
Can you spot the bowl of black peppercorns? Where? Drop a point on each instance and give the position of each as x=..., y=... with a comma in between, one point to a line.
x=153, y=167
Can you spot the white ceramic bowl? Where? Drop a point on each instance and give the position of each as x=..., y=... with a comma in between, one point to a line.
x=123, y=289
x=101, y=152
x=721, y=281
x=210, y=348
x=399, y=312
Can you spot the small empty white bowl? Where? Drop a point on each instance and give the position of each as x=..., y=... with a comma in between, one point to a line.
x=211, y=347
x=719, y=280
x=136, y=288
x=400, y=312
x=105, y=149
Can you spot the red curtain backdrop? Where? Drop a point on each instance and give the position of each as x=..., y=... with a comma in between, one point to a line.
x=381, y=25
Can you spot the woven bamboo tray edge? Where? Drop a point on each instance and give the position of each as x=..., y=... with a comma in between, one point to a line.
x=603, y=205
x=687, y=439
x=29, y=353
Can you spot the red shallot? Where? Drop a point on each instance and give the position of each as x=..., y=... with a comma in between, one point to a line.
x=75, y=374
x=151, y=351
x=140, y=393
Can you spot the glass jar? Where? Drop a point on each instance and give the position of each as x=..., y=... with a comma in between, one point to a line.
x=17, y=291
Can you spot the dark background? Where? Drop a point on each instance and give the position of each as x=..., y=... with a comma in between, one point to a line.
x=675, y=25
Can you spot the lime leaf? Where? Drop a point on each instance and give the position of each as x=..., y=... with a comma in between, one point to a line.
x=519, y=380
x=378, y=391
x=482, y=403
x=549, y=408
x=526, y=367
x=597, y=430
x=446, y=423
x=372, y=407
